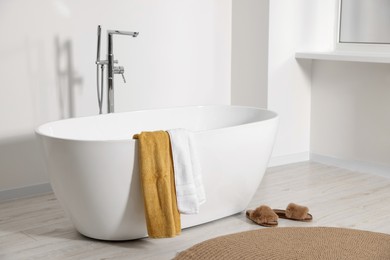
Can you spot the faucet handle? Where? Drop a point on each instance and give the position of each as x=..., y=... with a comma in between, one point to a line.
x=120, y=70
x=123, y=77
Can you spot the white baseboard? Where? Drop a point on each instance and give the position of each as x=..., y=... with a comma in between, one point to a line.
x=358, y=166
x=23, y=192
x=287, y=159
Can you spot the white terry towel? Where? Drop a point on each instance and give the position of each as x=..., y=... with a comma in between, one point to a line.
x=188, y=179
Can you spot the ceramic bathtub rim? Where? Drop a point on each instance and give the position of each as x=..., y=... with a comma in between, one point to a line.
x=38, y=130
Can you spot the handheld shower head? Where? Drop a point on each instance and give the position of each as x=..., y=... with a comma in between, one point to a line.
x=99, y=30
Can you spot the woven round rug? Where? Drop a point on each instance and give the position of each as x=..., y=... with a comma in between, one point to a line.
x=294, y=243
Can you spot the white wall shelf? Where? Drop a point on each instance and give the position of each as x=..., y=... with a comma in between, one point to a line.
x=345, y=56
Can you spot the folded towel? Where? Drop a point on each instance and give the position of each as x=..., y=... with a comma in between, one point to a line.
x=158, y=185
x=188, y=179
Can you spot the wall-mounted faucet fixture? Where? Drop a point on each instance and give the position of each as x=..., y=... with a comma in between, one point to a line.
x=111, y=69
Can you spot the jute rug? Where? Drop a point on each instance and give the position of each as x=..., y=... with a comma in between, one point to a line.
x=294, y=243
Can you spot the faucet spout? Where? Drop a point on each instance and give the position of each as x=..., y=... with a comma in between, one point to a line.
x=134, y=34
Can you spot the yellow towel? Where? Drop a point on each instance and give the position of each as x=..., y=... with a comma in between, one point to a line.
x=158, y=183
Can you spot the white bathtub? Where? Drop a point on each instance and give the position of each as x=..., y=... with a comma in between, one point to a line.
x=93, y=164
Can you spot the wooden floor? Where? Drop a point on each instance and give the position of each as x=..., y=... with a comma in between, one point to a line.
x=36, y=228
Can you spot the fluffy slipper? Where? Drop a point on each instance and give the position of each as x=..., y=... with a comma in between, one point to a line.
x=263, y=216
x=294, y=212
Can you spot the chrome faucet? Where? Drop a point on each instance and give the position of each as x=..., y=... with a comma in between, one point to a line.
x=111, y=69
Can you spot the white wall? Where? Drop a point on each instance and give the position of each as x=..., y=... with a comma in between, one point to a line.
x=250, y=53
x=350, y=121
x=265, y=72
x=335, y=111
x=181, y=57
x=294, y=25
x=350, y=112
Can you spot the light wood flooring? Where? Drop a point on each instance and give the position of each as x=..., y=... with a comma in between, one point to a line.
x=37, y=228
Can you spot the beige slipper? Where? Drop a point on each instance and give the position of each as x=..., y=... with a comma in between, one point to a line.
x=294, y=212
x=263, y=216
